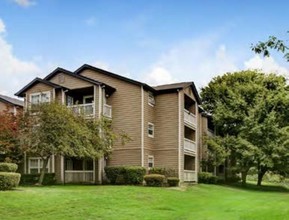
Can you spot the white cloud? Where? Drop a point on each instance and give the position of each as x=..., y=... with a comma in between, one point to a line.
x=15, y=72
x=24, y=3
x=196, y=60
x=266, y=65
x=2, y=27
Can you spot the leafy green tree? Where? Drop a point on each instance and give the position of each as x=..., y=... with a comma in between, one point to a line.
x=273, y=43
x=250, y=113
x=52, y=129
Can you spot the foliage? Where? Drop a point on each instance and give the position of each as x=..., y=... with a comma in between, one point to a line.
x=154, y=179
x=163, y=171
x=273, y=43
x=9, y=136
x=208, y=178
x=9, y=180
x=125, y=174
x=8, y=167
x=31, y=179
x=51, y=128
x=251, y=116
x=173, y=181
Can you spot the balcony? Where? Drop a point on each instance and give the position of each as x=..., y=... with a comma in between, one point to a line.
x=79, y=176
x=107, y=111
x=189, y=145
x=83, y=109
x=190, y=176
x=190, y=118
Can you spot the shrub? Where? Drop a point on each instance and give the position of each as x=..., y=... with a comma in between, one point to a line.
x=173, y=181
x=134, y=175
x=9, y=180
x=154, y=179
x=8, y=167
x=125, y=174
x=31, y=179
x=163, y=171
x=208, y=178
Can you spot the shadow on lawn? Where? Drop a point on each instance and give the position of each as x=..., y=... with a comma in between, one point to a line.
x=263, y=188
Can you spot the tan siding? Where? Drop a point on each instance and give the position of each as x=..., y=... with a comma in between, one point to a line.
x=57, y=166
x=69, y=81
x=148, y=153
x=39, y=87
x=5, y=107
x=188, y=91
x=166, y=131
x=149, y=116
x=182, y=125
x=125, y=157
x=126, y=115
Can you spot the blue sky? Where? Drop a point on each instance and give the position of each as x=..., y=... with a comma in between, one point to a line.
x=152, y=41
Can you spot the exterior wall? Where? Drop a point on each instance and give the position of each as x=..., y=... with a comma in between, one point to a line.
x=166, y=131
x=5, y=106
x=39, y=87
x=69, y=82
x=126, y=116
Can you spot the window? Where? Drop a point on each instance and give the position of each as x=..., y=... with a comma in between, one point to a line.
x=37, y=98
x=151, y=128
x=35, y=165
x=151, y=100
x=151, y=161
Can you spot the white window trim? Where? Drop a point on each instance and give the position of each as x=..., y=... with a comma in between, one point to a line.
x=39, y=164
x=48, y=93
x=153, y=129
x=86, y=97
x=151, y=157
x=151, y=99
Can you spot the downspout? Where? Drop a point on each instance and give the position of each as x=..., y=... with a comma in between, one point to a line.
x=100, y=160
x=142, y=126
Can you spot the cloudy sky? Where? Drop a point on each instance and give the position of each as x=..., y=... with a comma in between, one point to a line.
x=157, y=42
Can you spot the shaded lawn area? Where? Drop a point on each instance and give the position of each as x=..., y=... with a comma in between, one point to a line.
x=133, y=202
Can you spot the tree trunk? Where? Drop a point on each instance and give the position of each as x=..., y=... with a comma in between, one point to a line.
x=261, y=173
x=43, y=170
x=244, y=177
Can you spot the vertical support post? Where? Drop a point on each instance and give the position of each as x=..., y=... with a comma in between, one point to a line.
x=100, y=160
x=179, y=133
x=25, y=163
x=62, y=169
x=197, y=141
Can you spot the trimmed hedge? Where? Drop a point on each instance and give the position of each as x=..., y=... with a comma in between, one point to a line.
x=154, y=179
x=163, y=171
x=132, y=175
x=9, y=180
x=8, y=167
x=32, y=179
x=173, y=181
x=208, y=178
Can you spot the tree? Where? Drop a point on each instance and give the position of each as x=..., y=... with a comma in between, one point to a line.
x=51, y=129
x=273, y=43
x=250, y=113
x=9, y=133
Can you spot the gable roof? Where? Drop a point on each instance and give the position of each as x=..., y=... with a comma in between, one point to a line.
x=67, y=72
x=167, y=88
x=20, y=93
x=11, y=101
x=105, y=72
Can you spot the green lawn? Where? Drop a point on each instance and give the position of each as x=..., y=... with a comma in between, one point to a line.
x=132, y=202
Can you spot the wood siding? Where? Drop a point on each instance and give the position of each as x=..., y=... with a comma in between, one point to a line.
x=69, y=82
x=126, y=116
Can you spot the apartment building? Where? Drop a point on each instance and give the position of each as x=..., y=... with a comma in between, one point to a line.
x=10, y=104
x=165, y=123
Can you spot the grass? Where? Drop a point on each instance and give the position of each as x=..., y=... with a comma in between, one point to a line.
x=133, y=202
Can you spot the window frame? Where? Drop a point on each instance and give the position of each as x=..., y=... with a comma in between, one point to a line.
x=151, y=157
x=48, y=93
x=39, y=167
x=151, y=127
x=151, y=99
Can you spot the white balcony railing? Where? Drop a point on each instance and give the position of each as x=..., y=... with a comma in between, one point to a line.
x=190, y=176
x=189, y=118
x=107, y=110
x=189, y=145
x=84, y=109
x=79, y=176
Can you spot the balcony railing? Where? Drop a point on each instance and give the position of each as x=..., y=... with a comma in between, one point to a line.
x=79, y=176
x=190, y=176
x=84, y=109
x=107, y=110
x=189, y=118
x=189, y=145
